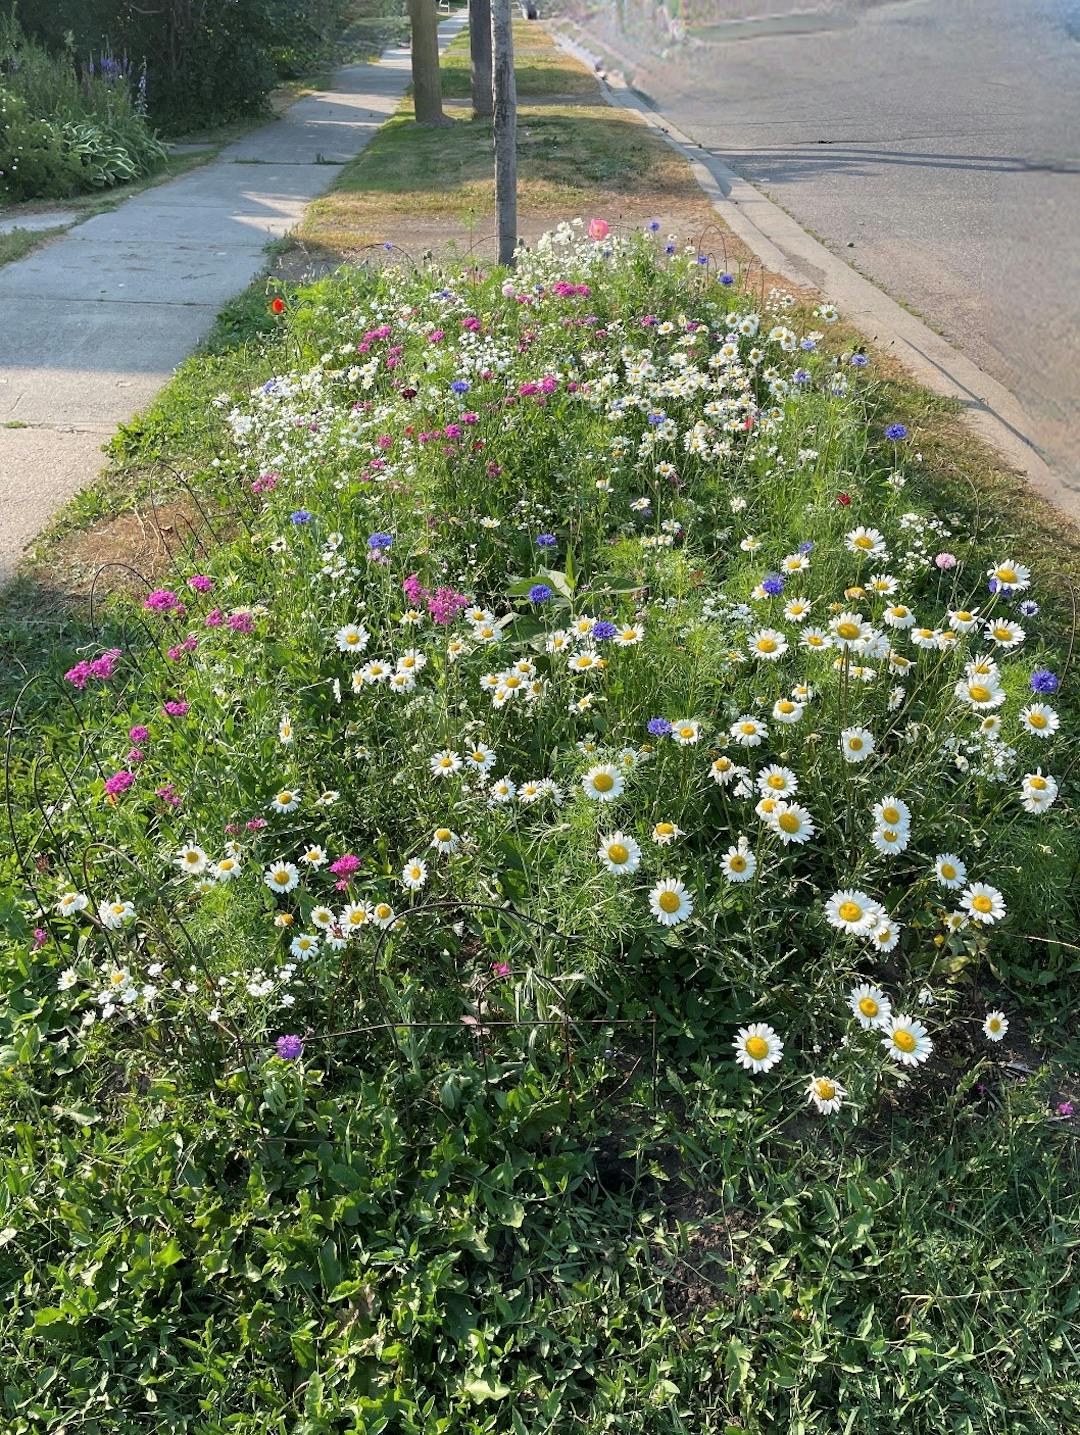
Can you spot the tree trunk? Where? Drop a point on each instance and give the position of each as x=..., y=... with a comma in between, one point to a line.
x=480, y=51
x=426, y=79
x=504, y=88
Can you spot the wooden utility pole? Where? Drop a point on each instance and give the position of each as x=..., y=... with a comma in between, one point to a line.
x=480, y=54
x=426, y=79
x=504, y=90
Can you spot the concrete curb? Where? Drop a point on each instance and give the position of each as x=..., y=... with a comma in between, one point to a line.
x=988, y=408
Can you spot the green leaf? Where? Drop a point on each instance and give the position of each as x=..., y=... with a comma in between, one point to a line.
x=479, y=1389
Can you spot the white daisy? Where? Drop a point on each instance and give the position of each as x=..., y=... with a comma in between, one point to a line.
x=1039, y=719
x=281, y=877
x=444, y=840
x=414, y=874
x=748, y=731
x=72, y=902
x=775, y=781
x=826, y=1094
x=950, y=871
x=192, y=859
x=786, y=710
x=983, y=903
x=738, y=863
x=995, y=1026
x=603, y=784
x=791, y=822
x=353, y=638
x=853, y=912
x=1010, y=575
x=757, y=1047
x=906, y=1041
x=115, y=914
x=686, y=731
x=767, y=644
x=856, y=744
x=286, y=800
x=445, y=763
x=670, y=902
x=619, y=853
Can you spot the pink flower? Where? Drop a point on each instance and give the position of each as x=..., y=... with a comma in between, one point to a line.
x=214, y=618
x=345, y=866
x=41, y=936
x=176, y=708
x=200, y=582
x=945, y=560
x=1064, y=1108
x=102, y=666
x=241, y=622
x=501, y=969
x=78, y=675
x=256, y=824
x=168, y=794
x=138, y=733
x=118, y=783
x=599, y=229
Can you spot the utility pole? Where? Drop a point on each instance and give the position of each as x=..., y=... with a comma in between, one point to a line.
x=480, y=53
x=504, y=89
x=426, y=78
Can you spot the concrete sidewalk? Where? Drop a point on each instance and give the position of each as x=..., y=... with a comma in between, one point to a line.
x=92, y=325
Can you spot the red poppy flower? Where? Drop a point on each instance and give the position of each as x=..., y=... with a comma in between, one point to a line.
x=277, y=305
x=843, y=500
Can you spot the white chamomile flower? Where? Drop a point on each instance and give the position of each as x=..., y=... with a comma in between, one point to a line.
x=444, y=840
x=226, y=870
x=287, y=800
x=797, y=610
x=1013, y=577
x=72, y=902
x=603, y=784
x=383, y=915
x=502, y=790
x=983, y=903
x=1038, y=792
x=480, y=758
x=414, y=874
x=886, y=937
x=738, y=863
x=192, y=859
x=619, y=853
x=281, y=877
x=353, y=638
x=890, y=841
x=869, y=1006
x=892, y=812
x=898, y=615
x=445, y=763
x=353, y=918
x=950, y=871
x=1040, y=719
x=767, y=644
x=115, y=914
x=853, y=912
x=670, y=902
x=757, y=1047
x=995, y=1026
x=314, y=857
x=815, y=639
x=787, y=710
x=664, y=833
x=323, y=918
x=305, y=945
x=791, y=822
x=723, y=771
x=749, y=731
x=906, y=1041
x=285, y=730
x=686, y=731
x=775, y=781
x=866, y=542
x=826, y=1094
x=856, y=744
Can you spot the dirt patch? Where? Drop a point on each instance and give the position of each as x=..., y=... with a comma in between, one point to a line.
x=698, y=1278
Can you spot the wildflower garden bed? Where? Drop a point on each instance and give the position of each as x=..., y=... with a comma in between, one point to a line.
x=540, y=932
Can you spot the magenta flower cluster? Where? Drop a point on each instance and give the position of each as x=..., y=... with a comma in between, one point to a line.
x=100, y=668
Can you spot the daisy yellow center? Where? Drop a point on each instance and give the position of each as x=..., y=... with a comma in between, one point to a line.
x=855, y=744
x=824, y=1089
x=686, y=732
x=948, y=871
x=864, y=542
x=813, y=640
x=868, y=1006
x=281, y=878
x=748, y=728
x=1007, y=575
x=382, y=911
x=1036, y=720
x=357, y=919
x=737, y=863
x=513, y=681
x=995, y=1024
x=603, y=782
x=757, y=1047
x=883, y=936
x=286, y=919
x=776, y=781
x=226, y=864
x=963, y=617
x=978, y=693
x=850, y=911
x=191, y=857
x=982, y=903
x=414, y=873
x=889, y=835
x=891, y=815
x=444, y=834
x=669, y=901
x=118, y=979
x=352, y=637
x=899, y=611
x=1038, y=783
x=788, y=822
x=722, y=764
x=848, y=630
x=766, y=645
x=904, y=1040
x=284, y=797
x=786, y=707
x=665, y=829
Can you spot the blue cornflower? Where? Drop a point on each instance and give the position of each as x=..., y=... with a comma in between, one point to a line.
x=994, y=586
x=387, y=245
x=603, y=630
x=655, y=419
x=546, y=540
x=1029, y=608
x=727, y=280
x=539, y=593
x=380, y=540
x=1044, y=682
x=289, y=1048
x=808, y=345
x=658, y=726
x=859, y=361
x=654, y=226
x=669, y=249
x=703, y=259
x=896, y=432
x=800, y=376
x=806, y=547
x=773, y=584
x=461, y=386
x=300, y=517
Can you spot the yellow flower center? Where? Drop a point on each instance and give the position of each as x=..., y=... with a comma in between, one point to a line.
x=757, y=1047
x=891, y=815
x=948, y=871
x=664, y=829
x=284, y=797
x=443, y=834
x=1006, y=575
x=889, y=835
x=982, y=903
x=863, y=541
x=855, y=744
x=686, y=732
x=963, y=617
x=281, y=878
x=669, y=901
x=748, y=727
x=813, y=640
x=1038, y=783
x=899, y=611
x=994, y=1024
x=785, y=707
x=904, y=1040
x=848, y=630
x=978, y=693
x=776, y=781
x=850, y=911
x=824, y=1089
x=1037, y=720
x=383, y=912
x=618, y=854
x=788, y=822
x=868, y=1006
x=766, y=645
x=603, y=782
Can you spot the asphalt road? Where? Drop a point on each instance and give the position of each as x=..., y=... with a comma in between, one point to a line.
x=935, y=144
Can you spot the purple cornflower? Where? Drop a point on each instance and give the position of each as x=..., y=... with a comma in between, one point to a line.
x=806, y=547
x=546, y=540
x=1044, y=682
x=658, y=727
x=800, y=376
x=656, y=419
x=380, y=541
x=654, y=226
x=603, y=630
x=41, y=936
x=289, y=1048
x=539, y=593
x=300, y=517
x=1029, y=608
x=773, y=584
x=895, y=432
x=669, y=249
x=703, y=259
x=859, y=361
x=808, y=346
x=727, y=280
x=461, y=386
x=994, y=586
